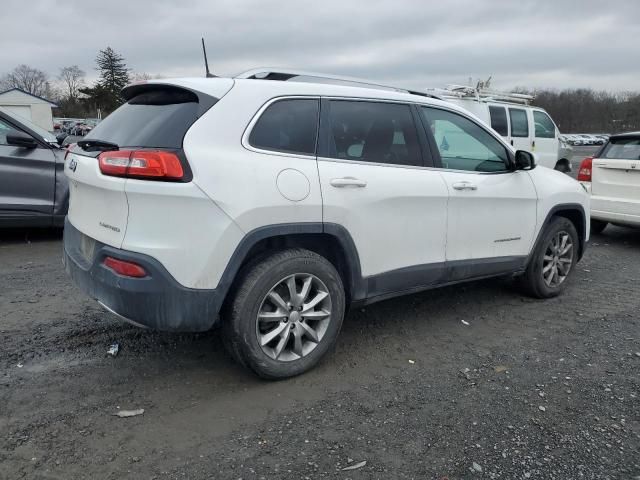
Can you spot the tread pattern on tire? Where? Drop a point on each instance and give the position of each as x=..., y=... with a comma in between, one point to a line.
x=248, y=277
x=531, y=282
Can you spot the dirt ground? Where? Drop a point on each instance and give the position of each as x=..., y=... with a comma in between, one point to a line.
x=525, y=389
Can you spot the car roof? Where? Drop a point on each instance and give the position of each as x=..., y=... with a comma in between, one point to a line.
x=621, y=136
x=276, y=88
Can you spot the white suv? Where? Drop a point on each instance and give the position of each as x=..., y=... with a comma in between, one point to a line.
x=269, y=205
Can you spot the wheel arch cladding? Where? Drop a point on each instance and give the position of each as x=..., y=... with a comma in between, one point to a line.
x=573, y=212
x=332, y=241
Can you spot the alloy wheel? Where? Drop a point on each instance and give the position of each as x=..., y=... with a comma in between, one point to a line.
x=558, y=259
x=293, y=317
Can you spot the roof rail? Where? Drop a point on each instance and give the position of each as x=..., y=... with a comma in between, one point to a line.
x=286, y=74
x=482, y=94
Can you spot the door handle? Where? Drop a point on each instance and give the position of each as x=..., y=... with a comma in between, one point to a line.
x=464, y=186
x=347, y=182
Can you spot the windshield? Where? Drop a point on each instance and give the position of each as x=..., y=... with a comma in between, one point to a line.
x=46, y=136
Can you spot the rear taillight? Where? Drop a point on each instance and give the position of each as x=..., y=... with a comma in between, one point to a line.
x=146, y=164
x=122, y=267
x=68, y=150
x=584, y=173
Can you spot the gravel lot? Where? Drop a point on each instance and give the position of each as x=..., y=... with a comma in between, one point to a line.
x=528, y=389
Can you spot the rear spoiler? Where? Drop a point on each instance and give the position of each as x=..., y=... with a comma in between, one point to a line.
x=204, y=101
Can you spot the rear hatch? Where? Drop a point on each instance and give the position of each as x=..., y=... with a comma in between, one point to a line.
x=149, y=127
x=616, y=169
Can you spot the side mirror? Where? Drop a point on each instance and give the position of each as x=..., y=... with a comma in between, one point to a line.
x=21, y=139
x=525, y=160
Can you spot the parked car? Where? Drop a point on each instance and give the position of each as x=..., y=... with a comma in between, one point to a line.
x=279, y=203
x=524, y=126
x=575, y=140
x=33, y=187
x=612, y=177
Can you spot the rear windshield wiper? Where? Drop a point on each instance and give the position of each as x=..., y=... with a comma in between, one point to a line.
x=97, y=145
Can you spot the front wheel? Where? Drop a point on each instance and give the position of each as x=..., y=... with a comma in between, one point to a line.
x=286, y=313
x=553, y=260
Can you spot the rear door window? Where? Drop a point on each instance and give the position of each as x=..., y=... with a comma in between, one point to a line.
x=499, y=120
x=622, y=148
x=519, y=122
x=157, y=118
x=544, y=126
x=289, y=126
x=373, y=132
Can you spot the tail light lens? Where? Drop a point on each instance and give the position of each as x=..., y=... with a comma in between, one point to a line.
x=68, y=150
x=584, y=173
x=145, y=164
x=127, y=269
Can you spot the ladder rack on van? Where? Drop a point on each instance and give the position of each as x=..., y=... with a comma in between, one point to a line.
x=285, y=74
x=481, y=94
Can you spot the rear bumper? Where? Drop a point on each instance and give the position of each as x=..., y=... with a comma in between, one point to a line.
x=615, y=210
x=156, y=301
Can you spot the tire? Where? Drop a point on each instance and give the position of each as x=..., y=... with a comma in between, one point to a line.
x=598, y=226
x=535, y=280
x=563, y=166
x=297, y=338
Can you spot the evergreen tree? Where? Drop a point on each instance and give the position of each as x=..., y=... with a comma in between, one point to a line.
x=114, y=76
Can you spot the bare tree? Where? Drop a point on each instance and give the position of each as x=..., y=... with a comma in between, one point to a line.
x=26, y=78
x=72, y=79
x=142, y=76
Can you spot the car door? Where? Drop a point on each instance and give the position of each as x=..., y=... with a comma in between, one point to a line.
x=545, y=139
x=520, y=132
x=27, y=177
x=375, y=183
x=491, y=209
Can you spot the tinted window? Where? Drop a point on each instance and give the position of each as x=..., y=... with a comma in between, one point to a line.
x=373, y=132
x=464, y=145
x=288, y=126
x=158, y=118
x=545, y=128
x=622, y=148
x=519, y=123
x=499, y=120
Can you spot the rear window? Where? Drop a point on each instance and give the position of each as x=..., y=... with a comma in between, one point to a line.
x=622, y=148
x=153, y=119
x=289, y=126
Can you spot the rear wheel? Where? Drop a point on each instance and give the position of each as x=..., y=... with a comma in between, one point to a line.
x=597, y=226
x=552, y=260
x=286, y=313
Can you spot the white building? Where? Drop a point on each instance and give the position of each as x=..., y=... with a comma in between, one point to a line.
x=31, y=107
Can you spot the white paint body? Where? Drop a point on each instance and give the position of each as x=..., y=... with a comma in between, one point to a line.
x=404, y=216
x=615, y=191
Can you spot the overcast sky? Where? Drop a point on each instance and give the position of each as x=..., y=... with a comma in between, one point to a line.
x=417, y=43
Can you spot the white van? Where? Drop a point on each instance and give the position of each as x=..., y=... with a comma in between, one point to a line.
x=510, y=114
